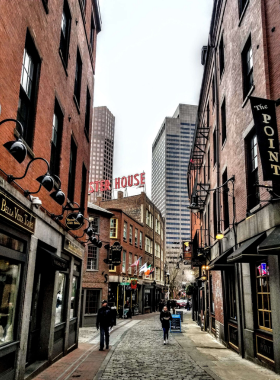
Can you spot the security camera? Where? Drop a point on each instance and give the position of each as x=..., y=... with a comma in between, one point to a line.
x=35, y=201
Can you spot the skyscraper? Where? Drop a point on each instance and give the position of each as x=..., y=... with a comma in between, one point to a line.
x=102, y=149
x=170, y=158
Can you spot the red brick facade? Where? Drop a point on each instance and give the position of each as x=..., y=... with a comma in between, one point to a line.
x=55, y=83
x=222, y=146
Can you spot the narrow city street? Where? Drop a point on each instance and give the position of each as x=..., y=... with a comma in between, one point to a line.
x=137, y=352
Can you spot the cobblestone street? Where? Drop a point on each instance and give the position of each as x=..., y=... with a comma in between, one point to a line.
x=137, y=352
x=149, y=358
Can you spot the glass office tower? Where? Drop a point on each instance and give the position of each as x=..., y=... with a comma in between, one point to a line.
x=170, y=159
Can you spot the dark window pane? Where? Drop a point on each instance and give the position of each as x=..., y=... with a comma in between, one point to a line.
x=72, y=171
x=224, y=121
x=28, y=89
x=56, y=140
x=221, y=56
x=87, y=115
x=92, y=301
x=225, y=201
x=65, y=32
x=78, y=77
x=247, y=64
x=84, y=184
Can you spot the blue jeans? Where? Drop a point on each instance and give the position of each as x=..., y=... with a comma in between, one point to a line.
x=165, y=333
x=104, y=330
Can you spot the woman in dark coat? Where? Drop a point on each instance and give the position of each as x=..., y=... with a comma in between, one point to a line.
x=165, y=318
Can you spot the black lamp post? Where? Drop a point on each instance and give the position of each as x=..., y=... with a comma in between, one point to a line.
x=16, y=148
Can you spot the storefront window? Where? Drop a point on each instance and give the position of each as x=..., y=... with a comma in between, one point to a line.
x=92, y=301
x=74, y=298
x=9, y=285
x=11, y=243
x=263, y=296
x=60, y=299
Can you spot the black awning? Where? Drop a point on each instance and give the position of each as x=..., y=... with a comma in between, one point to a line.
x=248, y=251
x=220, y=262
x=271, y=245
x=57, y=262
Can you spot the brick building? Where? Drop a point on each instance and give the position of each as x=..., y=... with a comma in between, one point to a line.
x=95, y=271
x=226, y=180
x=47, y=67
x=150, y=221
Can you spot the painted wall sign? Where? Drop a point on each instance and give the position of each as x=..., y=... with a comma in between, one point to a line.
x=264, y=115
x=16, y=214
x=118, y=183
x=71, y=221
x=73, y=248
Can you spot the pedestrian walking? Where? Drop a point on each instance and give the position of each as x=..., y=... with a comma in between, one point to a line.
x=104, y=320
x=165, y=318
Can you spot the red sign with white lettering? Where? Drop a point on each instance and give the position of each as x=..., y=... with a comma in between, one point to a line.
x=129, y=181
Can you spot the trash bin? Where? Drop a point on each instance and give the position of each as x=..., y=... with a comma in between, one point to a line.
x=180, y=312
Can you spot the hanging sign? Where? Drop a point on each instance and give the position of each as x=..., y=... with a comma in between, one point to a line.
x=264, y=115
x=133, y=284
x=72, y=223
x=187, y=249
x=116, y=251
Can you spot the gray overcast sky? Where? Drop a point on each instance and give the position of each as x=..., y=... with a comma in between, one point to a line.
x=148, y=61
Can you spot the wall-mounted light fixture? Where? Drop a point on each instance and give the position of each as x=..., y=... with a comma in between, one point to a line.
x=16, y=148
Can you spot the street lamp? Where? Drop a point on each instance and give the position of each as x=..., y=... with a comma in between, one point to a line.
x=16, y=148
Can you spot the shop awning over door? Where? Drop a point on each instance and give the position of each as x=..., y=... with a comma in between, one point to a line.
x=220, y=262
x=58, y=263
x=271, y=245
x=248, y=251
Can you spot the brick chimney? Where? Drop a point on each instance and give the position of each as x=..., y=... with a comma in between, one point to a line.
x=120, y=194
x=98, y=200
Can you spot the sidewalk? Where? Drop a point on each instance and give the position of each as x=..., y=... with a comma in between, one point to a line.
x=86, y=360
x=217, y=360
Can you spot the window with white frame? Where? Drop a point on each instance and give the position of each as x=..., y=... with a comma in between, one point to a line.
x=148, y=247
x=157, y=250
x=112, y=267
x=129, y=263
x=92, y=259
x=136, y=237
x=95, y=224
x=130, y=234
x=157, y=226
x=141, y=239
x=157, y=274
x=124, y=231
x=124, y=262
x=136, y=267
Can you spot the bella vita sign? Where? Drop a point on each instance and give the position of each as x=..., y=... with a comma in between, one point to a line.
x=264, y=115
x=124, y=182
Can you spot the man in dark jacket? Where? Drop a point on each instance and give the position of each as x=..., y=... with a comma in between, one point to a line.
x=165, y=318
x=104, y=321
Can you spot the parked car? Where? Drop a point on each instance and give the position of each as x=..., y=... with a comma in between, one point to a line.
x=181, y=303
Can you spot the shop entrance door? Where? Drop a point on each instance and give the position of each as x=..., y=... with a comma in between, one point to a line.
x=38, y=295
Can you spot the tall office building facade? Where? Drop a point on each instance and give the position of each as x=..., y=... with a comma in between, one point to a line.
x=170, y=159
x=102, y=150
